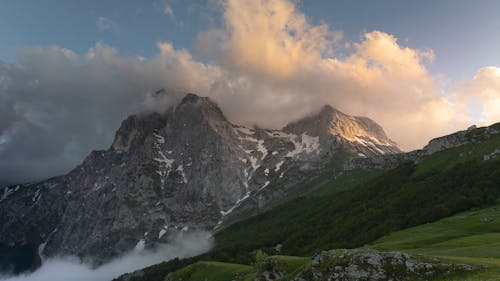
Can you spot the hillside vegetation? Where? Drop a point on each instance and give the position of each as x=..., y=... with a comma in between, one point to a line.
x=472, y=237
x=393, y=201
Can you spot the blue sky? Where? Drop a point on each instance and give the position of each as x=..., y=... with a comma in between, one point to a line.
x=465, y=35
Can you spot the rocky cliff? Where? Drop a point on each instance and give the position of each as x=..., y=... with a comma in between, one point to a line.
x=187, y=168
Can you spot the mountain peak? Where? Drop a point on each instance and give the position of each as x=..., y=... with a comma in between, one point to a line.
x=194, y=99
x=330, y=122
x=327, y=109
x=191, y=98
x=203, y=106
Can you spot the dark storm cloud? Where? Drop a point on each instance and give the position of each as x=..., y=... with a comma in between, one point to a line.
x=56, y=106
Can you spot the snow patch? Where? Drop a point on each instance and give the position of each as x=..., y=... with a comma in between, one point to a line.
x=253, y=162
x=36, y=196
x=168, y=162
x=262, y=149
x=307, y=145
x=245, y=130
x=278, y=166
x=371, y=143
x=225, y=213
x=180, y=169
x=162, y=232
x=140, y=246
x=265, y=184
x=6, y=192
x=159, y=138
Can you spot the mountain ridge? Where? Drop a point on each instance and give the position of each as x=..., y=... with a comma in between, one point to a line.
x=187, y=168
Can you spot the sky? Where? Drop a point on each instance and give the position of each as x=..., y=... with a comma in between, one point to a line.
x=71, y=71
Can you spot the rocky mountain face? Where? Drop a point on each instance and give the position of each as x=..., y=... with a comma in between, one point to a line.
x=188, y=168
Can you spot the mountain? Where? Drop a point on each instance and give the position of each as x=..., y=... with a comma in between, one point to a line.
x=185, y=169
x=462, y=174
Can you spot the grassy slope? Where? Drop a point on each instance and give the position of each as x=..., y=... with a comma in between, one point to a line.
x=447, y=159
x=210, y=270
x=472, y=237
x=219, y=271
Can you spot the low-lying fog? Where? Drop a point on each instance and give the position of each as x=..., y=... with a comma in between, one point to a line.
x=70, y=268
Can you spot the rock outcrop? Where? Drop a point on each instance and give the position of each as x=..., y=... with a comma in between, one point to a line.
x=364, y=265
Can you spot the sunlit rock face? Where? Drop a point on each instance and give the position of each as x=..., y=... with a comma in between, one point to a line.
x=332, y=127
x=185, y=169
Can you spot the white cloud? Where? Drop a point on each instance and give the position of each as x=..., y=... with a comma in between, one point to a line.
x=167, y=10
x=104, y=23
x=70, y=268
x=483, y=90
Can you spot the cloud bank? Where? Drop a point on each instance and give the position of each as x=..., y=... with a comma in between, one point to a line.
x=267, y=64
x=69, y=268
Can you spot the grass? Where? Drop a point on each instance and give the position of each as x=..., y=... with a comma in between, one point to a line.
x=447, y=159
x=471, y=237
x=348, y=180
x=221, y=271
x=211, y=270
x=292, y=265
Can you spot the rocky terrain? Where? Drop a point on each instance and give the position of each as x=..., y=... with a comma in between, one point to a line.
x=364, y=265
x=187, y=168
x=384, y=161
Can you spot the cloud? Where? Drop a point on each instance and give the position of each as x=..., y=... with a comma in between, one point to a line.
x=104, y=23
x=60, y=105
x=70, y=268
x=482, y=91
x=266, y=64
x=277, y=67
x=167, y=10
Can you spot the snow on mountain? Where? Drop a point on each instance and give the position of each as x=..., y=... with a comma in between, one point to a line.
x=189, y=167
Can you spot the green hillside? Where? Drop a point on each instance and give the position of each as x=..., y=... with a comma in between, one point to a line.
x=472, y=237
x=211, y=270
x=448, y=158
x=393, y=201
